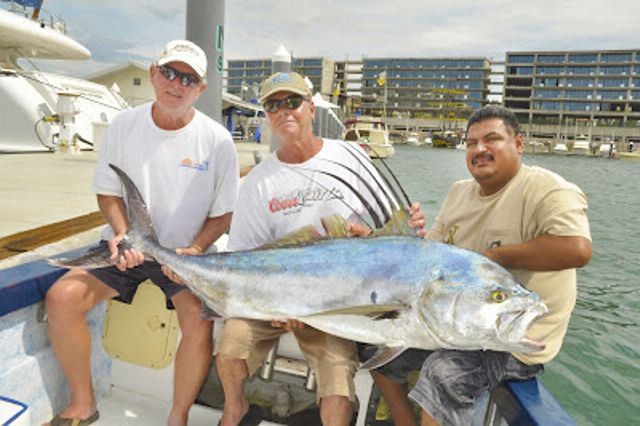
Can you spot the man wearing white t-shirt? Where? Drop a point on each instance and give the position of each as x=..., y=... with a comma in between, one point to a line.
x=185, y=166
x=287, y=191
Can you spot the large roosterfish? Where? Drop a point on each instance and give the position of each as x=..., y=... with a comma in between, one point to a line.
x=392, y=289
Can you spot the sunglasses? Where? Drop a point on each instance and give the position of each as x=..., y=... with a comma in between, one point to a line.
x=186, y=80
x=291, y=102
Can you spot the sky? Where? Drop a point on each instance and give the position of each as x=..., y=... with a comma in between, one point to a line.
x=343, y=29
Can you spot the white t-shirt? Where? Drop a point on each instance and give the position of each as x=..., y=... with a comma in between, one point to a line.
x=277, y=198
x=184, y=175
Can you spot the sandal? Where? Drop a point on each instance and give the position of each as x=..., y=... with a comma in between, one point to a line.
x=252, y=417
x=64, y=421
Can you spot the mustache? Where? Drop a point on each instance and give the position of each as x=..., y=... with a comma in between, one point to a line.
x=482, y=156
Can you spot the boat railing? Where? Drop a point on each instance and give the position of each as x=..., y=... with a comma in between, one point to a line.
x=43, y=17
x=526, y=402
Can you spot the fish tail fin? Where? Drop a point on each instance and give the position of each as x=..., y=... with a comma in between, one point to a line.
x=96, y=257
x=140, y=226
x=140, y=234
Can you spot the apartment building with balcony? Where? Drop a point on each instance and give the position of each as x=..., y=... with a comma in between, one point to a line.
x=447, y=88
x=243, y=76
x=563, y=93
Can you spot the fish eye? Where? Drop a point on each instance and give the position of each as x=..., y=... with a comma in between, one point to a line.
x=499, y=296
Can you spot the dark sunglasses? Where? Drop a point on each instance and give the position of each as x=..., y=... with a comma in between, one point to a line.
x=291, y=102
x=187, y=80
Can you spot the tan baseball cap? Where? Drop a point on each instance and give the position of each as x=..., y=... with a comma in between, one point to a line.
x=186, y=52
x=284, y=82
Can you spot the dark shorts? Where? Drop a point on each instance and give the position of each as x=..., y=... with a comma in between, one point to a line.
x=450, y=381
x=126, y=282
x=398, y=369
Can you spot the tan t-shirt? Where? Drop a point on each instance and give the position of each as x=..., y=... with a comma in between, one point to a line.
x=535, y=202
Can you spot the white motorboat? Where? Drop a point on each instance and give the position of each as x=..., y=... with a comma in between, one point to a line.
x=561, y=149
x=607, y=150
x=43, y=111
x=371, y=134
x=582, y=145
x=414, y=139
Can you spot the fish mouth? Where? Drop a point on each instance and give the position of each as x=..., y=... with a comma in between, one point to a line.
x=512, y=327
x=532, y=345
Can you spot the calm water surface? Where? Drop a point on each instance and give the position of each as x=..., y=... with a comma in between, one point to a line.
x=596, y=376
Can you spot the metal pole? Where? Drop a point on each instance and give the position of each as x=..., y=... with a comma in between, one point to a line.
x=384, y=106
x=205, y=27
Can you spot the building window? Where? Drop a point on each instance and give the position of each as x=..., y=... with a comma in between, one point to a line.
x=551, y=59
x=583, y=58
x=608, y=70
x=137, y=81
x=579, y=94
x=521, y=59
x=616, y=57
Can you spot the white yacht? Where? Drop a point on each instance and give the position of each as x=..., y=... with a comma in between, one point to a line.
x=371, y=134
x=414, y=139
x=582, y=145
x=560, y=148
x=44, y=111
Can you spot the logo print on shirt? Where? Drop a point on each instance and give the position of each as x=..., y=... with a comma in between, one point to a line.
x=298, y=199
x=189, y=163
x=450, y=233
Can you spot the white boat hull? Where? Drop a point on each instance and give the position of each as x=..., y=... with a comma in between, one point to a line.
x=378, y=150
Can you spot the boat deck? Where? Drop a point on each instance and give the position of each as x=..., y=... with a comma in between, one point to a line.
x=131, y=408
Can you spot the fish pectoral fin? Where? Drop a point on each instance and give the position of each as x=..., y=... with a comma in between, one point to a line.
x=376, y=312
x=383, y=355
x=305, y=235
x=335, y=226
x=398, y=224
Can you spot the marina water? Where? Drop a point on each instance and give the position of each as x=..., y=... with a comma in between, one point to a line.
x=596, y=376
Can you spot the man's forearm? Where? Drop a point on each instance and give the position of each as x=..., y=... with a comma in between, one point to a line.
x=544, y=253
x=212, y=229
x=114, y=212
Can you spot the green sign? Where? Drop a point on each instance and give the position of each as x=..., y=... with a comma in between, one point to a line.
x=219, y=48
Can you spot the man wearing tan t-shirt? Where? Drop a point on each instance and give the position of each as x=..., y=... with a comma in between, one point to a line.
x=527, y=219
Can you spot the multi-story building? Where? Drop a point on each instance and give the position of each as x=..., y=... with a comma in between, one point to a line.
x=446, y=88
x=245, y=75
x=564, y=93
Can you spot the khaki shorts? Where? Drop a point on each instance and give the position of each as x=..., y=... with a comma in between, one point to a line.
x=332, y=359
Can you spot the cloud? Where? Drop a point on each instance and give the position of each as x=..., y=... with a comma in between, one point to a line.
x=337, y=29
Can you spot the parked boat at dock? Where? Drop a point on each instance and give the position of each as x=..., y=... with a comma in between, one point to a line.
x=43, y=111
x=581, y=145
x=445, y=139
x=561, y=149
x=371, y=134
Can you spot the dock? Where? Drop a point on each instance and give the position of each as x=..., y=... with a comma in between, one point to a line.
x=48, y=197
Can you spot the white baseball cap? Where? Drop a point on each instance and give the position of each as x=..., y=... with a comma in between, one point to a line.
x=187, y=52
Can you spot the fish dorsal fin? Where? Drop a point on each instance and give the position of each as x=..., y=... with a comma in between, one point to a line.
x=335, y=227
x=383, y=355
x=300, y=237
x=377, y=312
x=398, y=224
